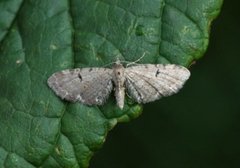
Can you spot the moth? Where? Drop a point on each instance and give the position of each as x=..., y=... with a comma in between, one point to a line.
x=143, y=83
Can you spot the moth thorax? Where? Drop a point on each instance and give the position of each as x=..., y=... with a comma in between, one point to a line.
x=118, y=76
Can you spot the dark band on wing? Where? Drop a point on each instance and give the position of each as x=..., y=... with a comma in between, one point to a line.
x=80, y=77
x=157, y=73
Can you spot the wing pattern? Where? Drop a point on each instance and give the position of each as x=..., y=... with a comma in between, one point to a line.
x=90, y=86
x=149, y=82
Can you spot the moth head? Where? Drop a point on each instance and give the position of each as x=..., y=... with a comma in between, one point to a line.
x=117, y=65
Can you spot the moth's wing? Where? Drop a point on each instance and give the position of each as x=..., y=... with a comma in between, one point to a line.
x=90, y=86
x=149, y=82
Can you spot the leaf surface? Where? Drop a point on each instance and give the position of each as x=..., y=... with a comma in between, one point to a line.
x=38, y=38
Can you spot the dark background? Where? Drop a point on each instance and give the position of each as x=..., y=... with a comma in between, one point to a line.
x=197, y=128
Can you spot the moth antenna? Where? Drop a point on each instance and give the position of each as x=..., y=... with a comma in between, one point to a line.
x=134, y=62
x=128, y=62
x=117, y=61
x=106, y=65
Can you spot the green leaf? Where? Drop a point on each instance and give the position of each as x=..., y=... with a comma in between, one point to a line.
x=38, y=38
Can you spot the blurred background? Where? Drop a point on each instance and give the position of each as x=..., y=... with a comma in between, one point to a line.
x=197, y=128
